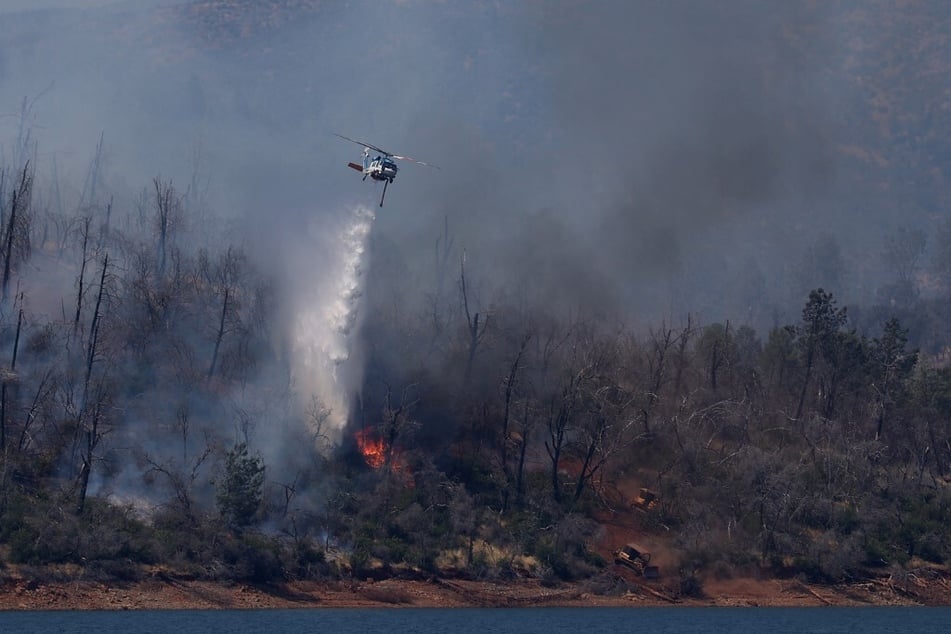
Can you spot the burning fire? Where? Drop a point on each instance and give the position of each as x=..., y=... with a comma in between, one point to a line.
x=376, y=453
x=373, y=449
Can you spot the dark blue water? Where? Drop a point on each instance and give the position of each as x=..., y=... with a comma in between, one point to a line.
x=871, y=620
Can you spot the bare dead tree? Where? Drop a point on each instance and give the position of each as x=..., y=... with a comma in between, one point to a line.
x=40, y=396
x=661, y=343
x=562, y=416
x=475, y=331
x=84, y=260
x=93, y=176
x=682, y=362
x=548, y=345
x=91, y=416
x=167, y=209
x=396, y=421
x=16, y=236
x=290, y=490
x=56, y=198
x=104, y=228
x=182, y=477
x=716, y=343
x=5, y=382
x=607, y=432
x=510, y=384
x=221, y=331
x=225, y=275
x=318, y=416
x=527, y=427
x=94, y=326
x=558, y=419
x=62, y=222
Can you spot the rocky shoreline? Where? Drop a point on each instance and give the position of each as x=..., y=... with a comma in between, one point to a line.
x=171, y=593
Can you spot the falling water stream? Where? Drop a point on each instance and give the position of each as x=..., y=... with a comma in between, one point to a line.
x=328, y=314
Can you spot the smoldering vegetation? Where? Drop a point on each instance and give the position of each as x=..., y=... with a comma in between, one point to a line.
x=671, y=245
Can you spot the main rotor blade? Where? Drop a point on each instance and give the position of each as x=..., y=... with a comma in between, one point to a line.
x=372, y=147
x=406, y=158
x=382, y=151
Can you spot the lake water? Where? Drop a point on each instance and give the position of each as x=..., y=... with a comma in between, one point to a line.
x=827, y=620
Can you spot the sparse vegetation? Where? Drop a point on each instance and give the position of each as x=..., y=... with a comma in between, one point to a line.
x=502, y=432
x=822, y=452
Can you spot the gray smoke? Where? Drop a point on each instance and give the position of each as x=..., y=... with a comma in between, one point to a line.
x=635, y=160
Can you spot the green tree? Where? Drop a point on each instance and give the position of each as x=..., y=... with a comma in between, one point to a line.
x=892, y=366
x=778, y=362
x=818, y=335
x=931, y=394
x=717, y=347
x=240, y=491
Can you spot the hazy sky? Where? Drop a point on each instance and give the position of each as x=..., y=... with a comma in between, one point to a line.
x=9, y=6
x=642, y=157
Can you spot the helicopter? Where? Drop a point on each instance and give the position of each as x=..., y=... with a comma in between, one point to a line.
x=381, y=167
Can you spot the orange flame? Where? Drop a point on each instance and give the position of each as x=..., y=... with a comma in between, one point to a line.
x=373, y=449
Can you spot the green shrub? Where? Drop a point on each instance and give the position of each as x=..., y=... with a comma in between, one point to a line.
x=359, y=560
x=310, y=561
x=110, y=570
x=690, y=585
x=252, y=558
x=23, y=546
x=240, y=489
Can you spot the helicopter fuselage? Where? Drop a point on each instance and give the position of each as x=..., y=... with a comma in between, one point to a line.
x=381, y=168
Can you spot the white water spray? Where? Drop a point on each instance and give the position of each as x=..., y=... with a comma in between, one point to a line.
x=327, y=313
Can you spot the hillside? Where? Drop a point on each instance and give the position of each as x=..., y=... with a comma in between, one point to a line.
x=696, y=248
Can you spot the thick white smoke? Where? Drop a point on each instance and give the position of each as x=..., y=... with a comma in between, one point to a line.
x=327, y=314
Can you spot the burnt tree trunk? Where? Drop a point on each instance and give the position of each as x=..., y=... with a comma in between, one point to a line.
x=221, y=332
x=92, y=432
x=20, y=203
x=3, y=388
